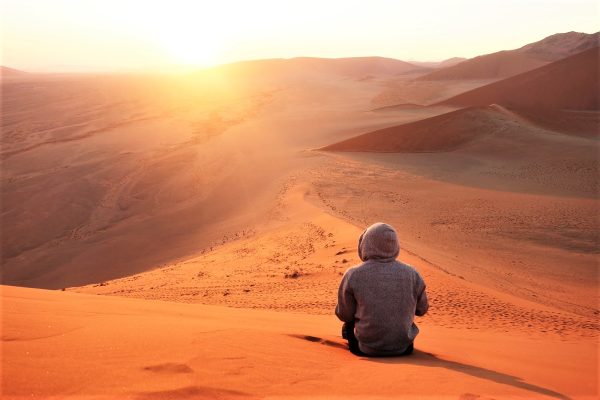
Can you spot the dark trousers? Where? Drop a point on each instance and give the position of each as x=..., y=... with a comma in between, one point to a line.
x=348, y=334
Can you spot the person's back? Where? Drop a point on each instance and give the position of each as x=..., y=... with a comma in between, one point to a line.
x=381, y=296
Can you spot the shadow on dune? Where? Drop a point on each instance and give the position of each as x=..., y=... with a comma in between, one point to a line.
x=316, y=339
x=425, y=359
x=431, y=360
x=193, y=392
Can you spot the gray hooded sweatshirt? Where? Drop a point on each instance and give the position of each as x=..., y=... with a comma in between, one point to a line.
x=382, y=295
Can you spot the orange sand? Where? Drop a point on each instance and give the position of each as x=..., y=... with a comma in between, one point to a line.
x=65, y=345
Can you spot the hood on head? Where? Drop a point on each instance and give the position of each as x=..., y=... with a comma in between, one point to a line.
x=378, y=242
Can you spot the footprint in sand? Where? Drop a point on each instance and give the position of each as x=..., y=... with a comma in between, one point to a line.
x=169, y=368
x=472, y=396
x=469, y=396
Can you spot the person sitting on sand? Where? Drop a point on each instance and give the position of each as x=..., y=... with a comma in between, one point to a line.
x=378, y=299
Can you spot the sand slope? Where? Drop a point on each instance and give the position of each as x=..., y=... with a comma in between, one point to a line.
x=561, y=45
x=512, y=62
x=440, y=133
x=472, y=343
x=10, y=72
x=83, y=346
x=106, y=176
x=572, y=122
x=492, y=66
x=91, y=162
x=453, y=130
x=571, y=83
x=295, y=263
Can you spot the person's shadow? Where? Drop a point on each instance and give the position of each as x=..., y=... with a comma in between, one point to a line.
x=431, y=360
x=425, y=359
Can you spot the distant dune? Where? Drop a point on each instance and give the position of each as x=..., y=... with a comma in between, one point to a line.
x=402, y=106
x=6, y=71
x=440, y=133
x=352, y=67
x=507, y=63
x=561, y=45
x=439, y=64
x=496, y=65
x=571, y=83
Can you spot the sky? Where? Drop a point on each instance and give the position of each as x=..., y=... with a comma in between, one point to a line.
x=107, y=35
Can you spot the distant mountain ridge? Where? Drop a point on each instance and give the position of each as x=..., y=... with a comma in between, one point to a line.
x=508, y=63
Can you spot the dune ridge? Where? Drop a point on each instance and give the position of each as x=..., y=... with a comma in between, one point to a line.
x=439, y=64
x=507, y=63
x=553, y=86
x=349, y=67
x=10, y=72
x=444, y=132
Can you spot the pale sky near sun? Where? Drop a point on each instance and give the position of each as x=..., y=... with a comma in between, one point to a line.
x=72, y=35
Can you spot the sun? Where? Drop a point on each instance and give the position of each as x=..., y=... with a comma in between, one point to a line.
x=190, y=36
x=187, y=44
x=191, y=32
x=192, y=51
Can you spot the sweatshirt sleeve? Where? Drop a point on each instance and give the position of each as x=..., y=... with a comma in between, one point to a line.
x=422, y=303
x=346, y=306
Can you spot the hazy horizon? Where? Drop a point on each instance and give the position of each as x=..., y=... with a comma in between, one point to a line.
x=69, y=36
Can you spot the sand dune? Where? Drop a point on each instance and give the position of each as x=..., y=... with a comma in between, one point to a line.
x=398, y=107
x=82, y=346
x=453, y=130
x=111, y=167
x=554, y=86
x=492, y=66
x=512, y=62
x=295, y=265
x=295, y=261
x=95, y=161
x=439, y=64
x=573, y=122
x=406, y=90
x=10, y=72
x=561, y=45
x=441, y=133
x=288, y=69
